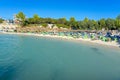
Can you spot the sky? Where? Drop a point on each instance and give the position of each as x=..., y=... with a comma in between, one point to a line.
x=93, y=9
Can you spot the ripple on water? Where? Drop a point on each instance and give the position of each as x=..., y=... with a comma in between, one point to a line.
x=54, y=60
x=9, y=59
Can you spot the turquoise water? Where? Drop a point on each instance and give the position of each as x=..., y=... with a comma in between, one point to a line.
x=35, y=58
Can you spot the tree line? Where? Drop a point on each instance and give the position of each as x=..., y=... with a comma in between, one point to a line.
x=1, y=20
x=72, y=23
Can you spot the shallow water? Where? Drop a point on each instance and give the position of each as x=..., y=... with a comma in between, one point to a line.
x=37, y=58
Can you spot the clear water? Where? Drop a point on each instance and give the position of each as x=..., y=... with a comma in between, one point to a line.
x=35, y=58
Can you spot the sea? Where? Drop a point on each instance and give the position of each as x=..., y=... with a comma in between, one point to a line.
x=40, y=58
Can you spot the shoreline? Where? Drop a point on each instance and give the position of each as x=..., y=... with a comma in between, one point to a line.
x=99, y=42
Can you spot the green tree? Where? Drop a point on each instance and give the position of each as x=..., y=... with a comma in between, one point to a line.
x=86, y=23
x=110, y=24
x=21, y=16
x=102, y=23
x=86, y=20
x=48, y=20
x=117, y=23
x=80, y=25
x=61, y=21
x=1, y=20
x=96, y=25
x=36, y=19
x=92, y=25
x=72, y=23
x=72, y=19
x=30, y=20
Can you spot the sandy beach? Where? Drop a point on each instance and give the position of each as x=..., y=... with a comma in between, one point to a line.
x=111, y=44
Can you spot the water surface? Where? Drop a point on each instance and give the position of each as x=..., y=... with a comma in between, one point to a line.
x=37, y=58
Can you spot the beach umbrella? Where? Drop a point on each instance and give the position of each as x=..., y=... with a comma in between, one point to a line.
x=105, y=39
x=85, y=36
x=92, y=36
x=100, y=37
x=115, y=39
